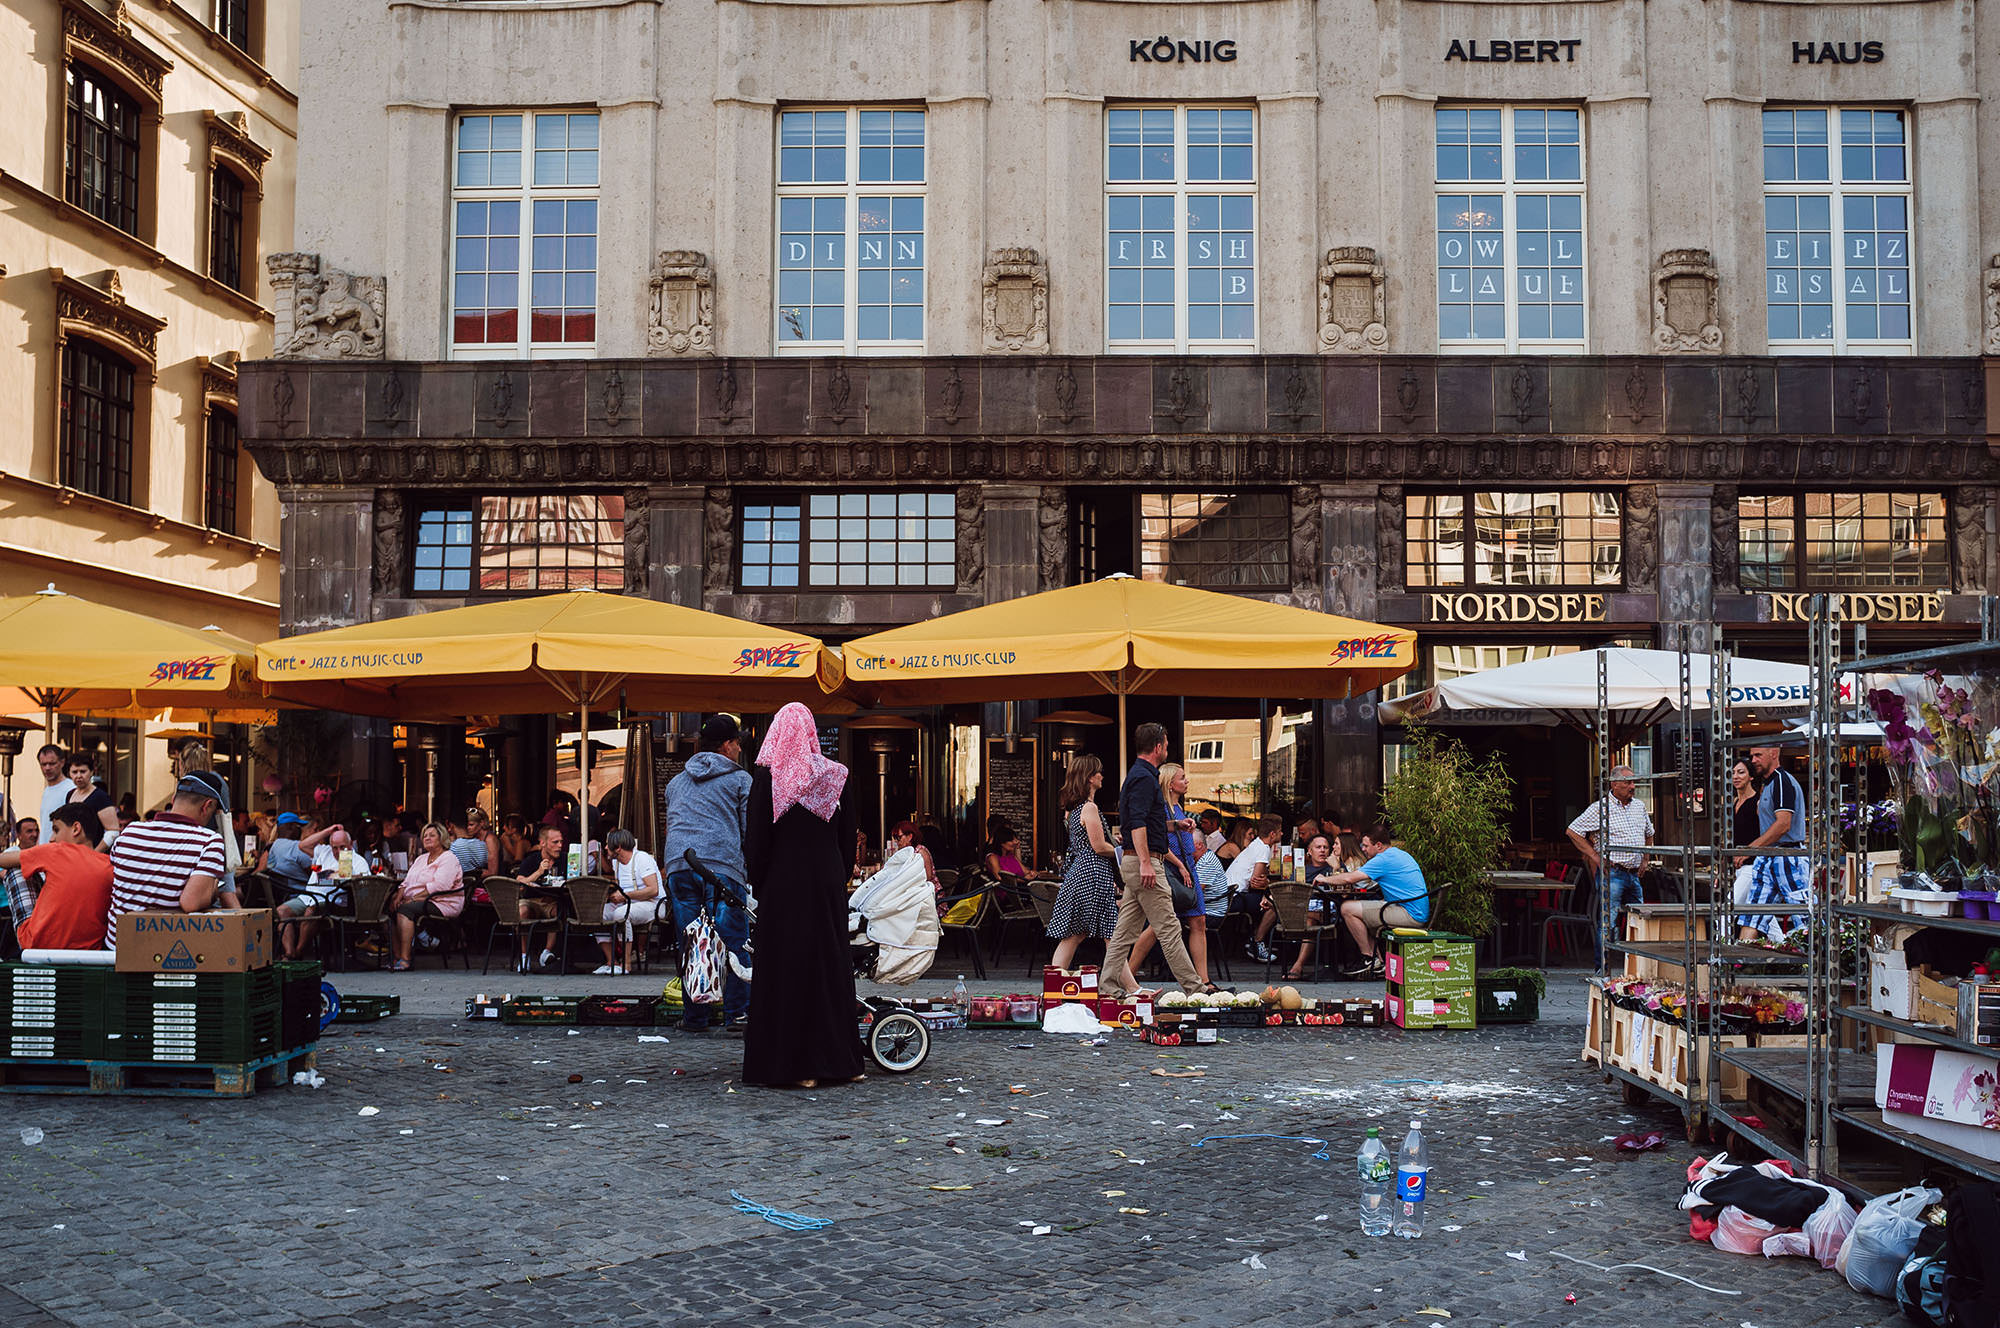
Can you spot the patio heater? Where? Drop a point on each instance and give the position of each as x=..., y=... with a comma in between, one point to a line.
x=13, y=741
x=428, y=740
x=883, y=745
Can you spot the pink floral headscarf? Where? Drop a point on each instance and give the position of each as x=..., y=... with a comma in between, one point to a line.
x=800, y=772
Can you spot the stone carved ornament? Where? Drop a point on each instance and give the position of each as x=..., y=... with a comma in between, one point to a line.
x=1017, y=302
x=1642, y=537
x=324, y=314
x=1307, y=522
x=1353, y=302
x=971, y=539
x=1053, y=536
x=718, y=539
x=638, y=530
x=389, y=545
x=1390, y=519
x=1968, y=520
x=682, y=319
x=1993, y=307
x=1687, y=312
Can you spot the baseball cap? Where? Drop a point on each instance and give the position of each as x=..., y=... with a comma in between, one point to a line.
x=718, y=729
x=205, y=784
x=290, y=818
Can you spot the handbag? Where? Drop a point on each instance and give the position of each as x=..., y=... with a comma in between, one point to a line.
x=1185, y=899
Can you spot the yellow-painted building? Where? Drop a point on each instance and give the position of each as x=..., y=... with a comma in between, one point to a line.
x=147, y=159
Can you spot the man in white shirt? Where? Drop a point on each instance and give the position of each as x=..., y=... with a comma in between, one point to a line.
x=1616, y=871
x=52, y=759
x=1209, y=823
x=1250, y=882
x=636, y=899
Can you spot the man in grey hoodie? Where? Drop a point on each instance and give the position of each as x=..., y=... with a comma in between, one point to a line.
x=708, y=810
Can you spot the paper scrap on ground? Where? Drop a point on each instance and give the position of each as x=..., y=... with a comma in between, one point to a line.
x=369, y=1111
x=643, y=1037
x=1434, y=1312
x=951, y=1187
x=1522, y=1255
x=1180, y=1074
x=32, y=1136
x=1254, y=1261
x=1137, y=1212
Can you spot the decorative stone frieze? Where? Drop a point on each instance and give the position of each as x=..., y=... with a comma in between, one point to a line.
x=1992, y=303
x=99, y=310
x=1016, y=314
x=324, y=314
x=682, y=318
x=229, y=139
x=107, y=40
x=1353, y=302
x=1687, y=312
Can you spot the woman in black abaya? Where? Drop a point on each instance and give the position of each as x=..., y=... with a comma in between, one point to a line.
x=799, y=850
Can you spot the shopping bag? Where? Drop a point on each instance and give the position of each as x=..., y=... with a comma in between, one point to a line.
x=1883, y=1236
x=706, y=957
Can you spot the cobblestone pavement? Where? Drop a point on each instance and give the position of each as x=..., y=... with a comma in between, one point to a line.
x=487, y=1188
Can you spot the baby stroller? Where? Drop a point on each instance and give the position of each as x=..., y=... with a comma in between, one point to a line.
x=892, y=937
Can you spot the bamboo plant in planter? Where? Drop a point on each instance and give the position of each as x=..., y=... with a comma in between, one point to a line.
x=1450, y=812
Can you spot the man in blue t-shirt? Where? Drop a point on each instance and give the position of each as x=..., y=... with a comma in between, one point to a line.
x=1405, y=901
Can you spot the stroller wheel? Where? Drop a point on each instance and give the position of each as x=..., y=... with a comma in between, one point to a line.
x=899, y=1042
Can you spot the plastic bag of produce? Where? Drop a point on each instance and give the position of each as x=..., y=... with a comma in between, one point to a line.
x=1882, y=1238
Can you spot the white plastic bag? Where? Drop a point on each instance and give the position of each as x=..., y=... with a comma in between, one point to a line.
x=1827, y=1228
x=1882, y=1238
x=1740, y=1233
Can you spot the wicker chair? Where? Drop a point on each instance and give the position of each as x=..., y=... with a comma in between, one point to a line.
x=1295, y=923
x=367, y=898
x=1042, y=894
x=586, y=910
x=506, y=894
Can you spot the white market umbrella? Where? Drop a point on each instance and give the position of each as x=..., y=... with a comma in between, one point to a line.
x=1641, y=687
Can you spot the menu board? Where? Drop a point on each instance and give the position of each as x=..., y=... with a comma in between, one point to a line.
x=1009, y=789
x=666, y=764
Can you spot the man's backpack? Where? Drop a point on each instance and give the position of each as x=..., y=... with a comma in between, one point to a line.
x=1972, y=1257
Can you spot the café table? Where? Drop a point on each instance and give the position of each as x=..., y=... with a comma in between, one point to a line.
x=1517, y=897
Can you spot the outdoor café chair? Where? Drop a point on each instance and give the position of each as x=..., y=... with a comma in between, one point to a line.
x=969, y=929
x=1015, y=905
x=586, y=910
x=366, y=898
x=1580, y=917
x=1295, y=923
x=506, y=894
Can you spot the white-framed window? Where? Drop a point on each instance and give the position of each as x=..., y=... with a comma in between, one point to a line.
x=1180, y=219
x=1837, y=229
x=1204, y=751
x=1510, y=228
x=524, y=222
x=851, y=239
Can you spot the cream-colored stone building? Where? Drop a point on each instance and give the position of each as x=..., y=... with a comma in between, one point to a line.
x=1530, y=326
x=147, y=164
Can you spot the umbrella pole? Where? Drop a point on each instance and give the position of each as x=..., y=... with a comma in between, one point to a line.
x=583, y=767
x=1124, y=758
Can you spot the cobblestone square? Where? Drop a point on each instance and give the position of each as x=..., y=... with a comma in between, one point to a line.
x=485, y=1187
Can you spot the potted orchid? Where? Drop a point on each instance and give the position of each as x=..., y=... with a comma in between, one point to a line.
x=1943, y=747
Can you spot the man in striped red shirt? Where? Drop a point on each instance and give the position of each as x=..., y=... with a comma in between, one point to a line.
x=173, y=861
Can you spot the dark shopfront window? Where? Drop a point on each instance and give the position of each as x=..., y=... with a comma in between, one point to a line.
x=1842, y=541
x=1511, y=538
x=848, y=541
x=500, y=545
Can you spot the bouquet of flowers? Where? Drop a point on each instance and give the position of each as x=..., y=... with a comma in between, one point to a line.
x=1943, y=742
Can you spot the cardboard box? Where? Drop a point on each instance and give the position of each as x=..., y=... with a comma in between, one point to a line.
x=1069, y=984
x=219, y=941
x=1440, y=1009
x=1943, y=1085
x=1421, y=965
x=1129, y=1013
x=1934, y=999
x=1979, y=1012
x=1889, y=983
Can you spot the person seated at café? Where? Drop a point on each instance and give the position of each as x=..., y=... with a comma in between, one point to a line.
x=1318, y=874
x=906, y=835
x=89, y=794
x=1003, y=857
x=320, y=889
x=474, y=844
x=547, y=866
x=65, y=889
x=434, y=887
x=395, y=843
x=174, y=860
x=1249, y=880
x=25, y=833
x=1236, y=836
x=1209, y=825
x=1405, y=901
x=635, y=899
x=515, y=841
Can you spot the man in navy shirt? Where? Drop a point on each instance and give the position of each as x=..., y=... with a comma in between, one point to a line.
x=1147, y=901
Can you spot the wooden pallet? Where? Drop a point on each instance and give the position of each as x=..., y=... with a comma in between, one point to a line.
x=155, y=1078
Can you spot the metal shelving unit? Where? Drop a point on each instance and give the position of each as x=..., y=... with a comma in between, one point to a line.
x=1844, y=1129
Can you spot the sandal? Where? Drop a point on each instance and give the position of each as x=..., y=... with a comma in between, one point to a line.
x=1209, y=989
x=399, y=966
x=1295, y=977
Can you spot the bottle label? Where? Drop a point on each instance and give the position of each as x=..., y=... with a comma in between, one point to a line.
x=1375, y=1168
x=1410, y=1185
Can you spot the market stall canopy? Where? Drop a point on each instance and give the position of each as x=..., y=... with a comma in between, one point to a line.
x=59, y=652
x=1642, y=687
x=577, y=650
x=1126, y=637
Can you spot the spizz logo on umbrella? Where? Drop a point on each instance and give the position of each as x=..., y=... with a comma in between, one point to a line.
x=1364, y=647
x=788, y=656
x=188, y=670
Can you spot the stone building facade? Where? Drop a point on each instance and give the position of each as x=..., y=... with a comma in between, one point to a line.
x=147, y=157
x=1530, y=326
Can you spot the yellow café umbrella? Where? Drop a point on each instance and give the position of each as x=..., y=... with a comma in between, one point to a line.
x=578, y=650
x=59, y=652
x=1126, y=637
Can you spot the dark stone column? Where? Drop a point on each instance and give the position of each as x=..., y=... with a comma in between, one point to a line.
x=1687, y=566
x=1351, y=760
x=1013, y=541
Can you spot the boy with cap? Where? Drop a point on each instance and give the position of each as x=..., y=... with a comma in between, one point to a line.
x=174, y=861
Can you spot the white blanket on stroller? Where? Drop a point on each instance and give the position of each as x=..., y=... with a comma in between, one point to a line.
x=897, y=910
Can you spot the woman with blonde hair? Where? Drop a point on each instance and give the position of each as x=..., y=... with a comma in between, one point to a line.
x=1087, y=901
x=434, y=887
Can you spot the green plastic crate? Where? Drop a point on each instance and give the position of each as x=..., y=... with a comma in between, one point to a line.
x=541, y=1009
x=362, y=1008
x=1503, y=1001
x=53, y=1011
x=206, y=1017
x=1440, y=1008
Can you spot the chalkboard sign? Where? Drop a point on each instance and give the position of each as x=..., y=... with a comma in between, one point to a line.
x=1009, y=790
x=666, y=764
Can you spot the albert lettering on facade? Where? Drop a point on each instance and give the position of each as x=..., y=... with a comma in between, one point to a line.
x=1526, y=51
x=1167, y=51
x=1837, y=53
x=1505, y=607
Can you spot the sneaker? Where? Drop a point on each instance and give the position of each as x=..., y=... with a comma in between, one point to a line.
x=548, y=958
x=522, y=965
x=604, y=970
x=1367, y=968
x=1265, y=954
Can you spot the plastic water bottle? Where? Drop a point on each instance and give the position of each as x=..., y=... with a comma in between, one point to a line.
x=1413, y=1166
x=1373, y=1164
x=961, y=1004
